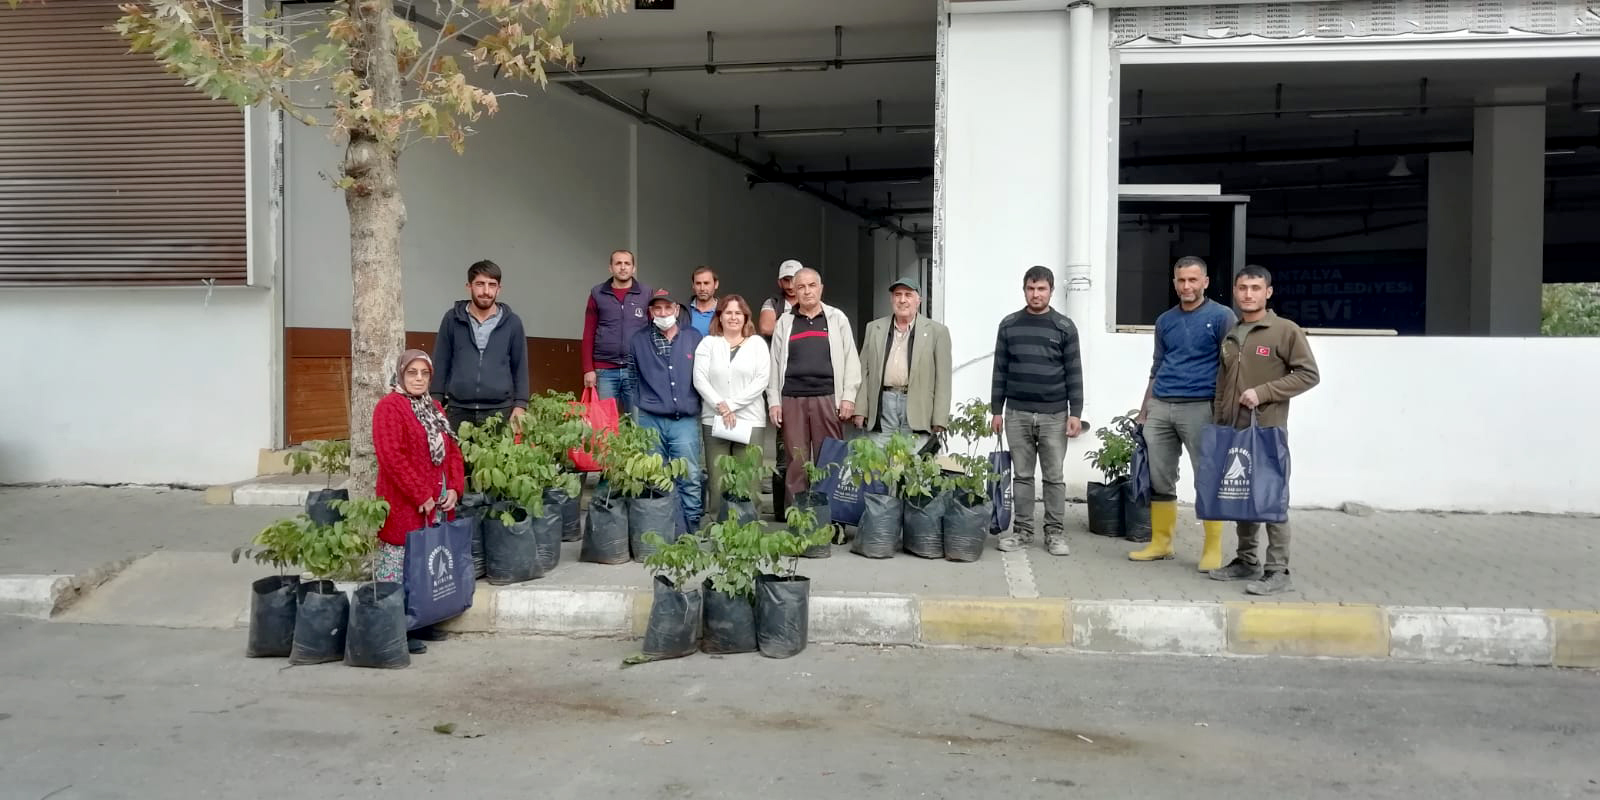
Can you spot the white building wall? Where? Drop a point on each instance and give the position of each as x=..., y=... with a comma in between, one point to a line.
x=1474, y=424
x=547, y=189
x=135, y=385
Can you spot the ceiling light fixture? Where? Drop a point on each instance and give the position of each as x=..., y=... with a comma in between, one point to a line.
x=800, y=134
x=1589, y=108
x=1400, y=169
x=1391, y=112
x=913, y=129
x=816, y=66
x=1560, y=152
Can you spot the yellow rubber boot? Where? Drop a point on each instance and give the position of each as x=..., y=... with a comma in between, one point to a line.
x=1211, y=552
x=1163, y=519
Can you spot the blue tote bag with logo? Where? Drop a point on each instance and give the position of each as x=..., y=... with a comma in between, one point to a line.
x=846, y=496
x=438, y=572
x=1000, y=489
x=1243, y=474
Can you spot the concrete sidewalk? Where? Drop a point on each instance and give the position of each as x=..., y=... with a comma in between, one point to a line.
x=1389, y=584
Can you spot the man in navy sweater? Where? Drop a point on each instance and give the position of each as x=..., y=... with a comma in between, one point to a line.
x=1177, y=404
x=1037, y=399
x=662, y=362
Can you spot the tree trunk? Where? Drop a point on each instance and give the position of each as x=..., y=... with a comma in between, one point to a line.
x=377, y=213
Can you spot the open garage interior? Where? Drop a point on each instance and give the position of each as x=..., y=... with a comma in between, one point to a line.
x=700, y=132
x=1403, y=197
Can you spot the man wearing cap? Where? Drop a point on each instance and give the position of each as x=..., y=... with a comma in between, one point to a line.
x=782, y=302
x=776, y=306
x=662, y=358
x=905, y=363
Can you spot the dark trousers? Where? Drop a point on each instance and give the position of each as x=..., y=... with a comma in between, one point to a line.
x=806, y=422
x=477, y=416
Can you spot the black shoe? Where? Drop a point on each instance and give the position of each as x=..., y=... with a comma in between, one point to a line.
x=428, y=634
x=1236, y=571
x=416, y=646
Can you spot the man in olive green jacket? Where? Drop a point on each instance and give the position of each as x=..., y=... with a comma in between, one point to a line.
x=1266, y=360
x=905, y=359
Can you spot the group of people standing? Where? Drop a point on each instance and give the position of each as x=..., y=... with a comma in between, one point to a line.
x=708, y=373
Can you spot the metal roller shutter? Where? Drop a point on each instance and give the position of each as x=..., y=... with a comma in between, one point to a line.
x=112, y=172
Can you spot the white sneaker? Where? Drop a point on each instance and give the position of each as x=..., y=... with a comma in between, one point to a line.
x=1056, y=544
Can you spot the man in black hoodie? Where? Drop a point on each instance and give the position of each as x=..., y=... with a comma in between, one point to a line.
x=480, y=358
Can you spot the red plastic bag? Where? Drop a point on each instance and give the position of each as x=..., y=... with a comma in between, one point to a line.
x=601, y=415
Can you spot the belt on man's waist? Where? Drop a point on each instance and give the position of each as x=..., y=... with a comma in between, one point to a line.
x=1184, y=399
x=894, y=390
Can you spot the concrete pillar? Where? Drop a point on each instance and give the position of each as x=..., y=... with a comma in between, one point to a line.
x=1508, y=212
x=1449, y=309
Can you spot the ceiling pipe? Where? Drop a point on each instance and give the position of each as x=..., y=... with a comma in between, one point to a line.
x=737, y=67
x=1344, y=151
x=758, y=172
x=894, y=127
x=1333, y=112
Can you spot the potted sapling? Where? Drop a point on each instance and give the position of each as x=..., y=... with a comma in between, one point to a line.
x=969, y=511
x=783, y=595
x=879, y=470
x=475, y=440
x=814, y=501
x=274, y=600
x=648, y=482
x=740, y=484
x=1112, y=458
x=521, y=537
x=334, y=556
x=676, y=602
x=329, y=457
x=554, y=422
x=606, y=539
x=730, y=589
x=922, y=493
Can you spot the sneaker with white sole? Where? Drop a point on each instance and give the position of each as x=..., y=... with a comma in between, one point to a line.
x=1056, y=544
x=1015, y=541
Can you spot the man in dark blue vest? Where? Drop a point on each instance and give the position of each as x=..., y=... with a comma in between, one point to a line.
x=662, y=356
x=616, y=311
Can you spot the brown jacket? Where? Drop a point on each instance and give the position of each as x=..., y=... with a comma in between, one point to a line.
x=1274, y=359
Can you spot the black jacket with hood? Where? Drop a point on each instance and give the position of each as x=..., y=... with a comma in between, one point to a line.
x=465, y=377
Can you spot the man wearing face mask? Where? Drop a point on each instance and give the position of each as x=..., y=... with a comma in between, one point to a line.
x=662, y=363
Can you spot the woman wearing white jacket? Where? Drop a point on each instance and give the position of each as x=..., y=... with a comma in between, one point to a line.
x=731, y=371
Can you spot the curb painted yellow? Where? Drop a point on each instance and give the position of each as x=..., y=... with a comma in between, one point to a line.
x=641, y=612
x=220, y=495
x=997, y=622
x=1308, y=629
x=1577, y=638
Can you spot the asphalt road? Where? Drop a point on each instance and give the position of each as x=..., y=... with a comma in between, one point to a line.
x=118, y=712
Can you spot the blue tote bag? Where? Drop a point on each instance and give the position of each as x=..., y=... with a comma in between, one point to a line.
x=1243, y=474
x=1139, y=469
x=438, y=572
x=846, y=496
x=1000, y=489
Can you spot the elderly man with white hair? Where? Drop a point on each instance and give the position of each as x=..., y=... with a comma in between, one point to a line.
x=816, y=373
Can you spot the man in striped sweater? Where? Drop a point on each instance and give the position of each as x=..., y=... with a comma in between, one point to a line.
x=1037, y=400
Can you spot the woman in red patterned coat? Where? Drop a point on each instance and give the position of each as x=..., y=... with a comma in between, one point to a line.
x=420, y=471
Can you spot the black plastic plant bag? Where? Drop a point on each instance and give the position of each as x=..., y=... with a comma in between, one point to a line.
x=878, y=536
x=273, y=603
x=605, y=538
x=510, y=552
x=966, y=528
x=321, y=624
x=674, y=627
x=783, y=607
x=922, y=519
x=377, y=633
x=730, y=622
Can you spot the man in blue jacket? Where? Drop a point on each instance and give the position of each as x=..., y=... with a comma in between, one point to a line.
x=480, y=358
x=662, y=361
x=1177, y=404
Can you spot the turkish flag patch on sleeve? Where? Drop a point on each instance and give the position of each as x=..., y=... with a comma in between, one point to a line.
x=1263, y=351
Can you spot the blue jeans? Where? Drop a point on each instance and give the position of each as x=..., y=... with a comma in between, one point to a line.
x=616, y=383
x=680, y=438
